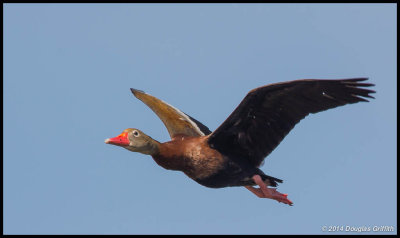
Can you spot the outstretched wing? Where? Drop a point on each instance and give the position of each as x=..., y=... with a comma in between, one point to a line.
x=176, y=122
x=268, y=113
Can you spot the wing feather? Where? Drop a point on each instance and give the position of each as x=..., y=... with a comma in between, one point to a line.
x=267, y=114
x=176, y=122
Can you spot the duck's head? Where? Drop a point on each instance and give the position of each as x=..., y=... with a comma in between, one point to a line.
x=135, y=140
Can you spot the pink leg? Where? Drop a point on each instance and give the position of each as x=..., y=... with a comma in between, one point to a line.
x=265, y=192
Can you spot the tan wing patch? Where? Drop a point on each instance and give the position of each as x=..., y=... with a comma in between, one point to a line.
x=176, y=122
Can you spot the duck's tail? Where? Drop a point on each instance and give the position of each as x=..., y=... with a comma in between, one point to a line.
x=271, y=181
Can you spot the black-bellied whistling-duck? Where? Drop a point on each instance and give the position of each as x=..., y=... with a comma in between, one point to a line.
x=233, y=153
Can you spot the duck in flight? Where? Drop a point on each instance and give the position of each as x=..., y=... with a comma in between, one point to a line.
x=233, y=153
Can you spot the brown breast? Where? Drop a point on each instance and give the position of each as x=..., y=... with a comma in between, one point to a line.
x=192, y=155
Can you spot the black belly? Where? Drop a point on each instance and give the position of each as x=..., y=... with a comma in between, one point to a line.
x=230, y=175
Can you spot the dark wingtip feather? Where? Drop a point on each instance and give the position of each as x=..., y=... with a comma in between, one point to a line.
x=359, y=91
x=359, y=99
x=135, y=91
x=365, y=84
x=355, y=79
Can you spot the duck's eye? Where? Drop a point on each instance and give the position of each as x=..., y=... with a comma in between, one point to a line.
x=136, y=133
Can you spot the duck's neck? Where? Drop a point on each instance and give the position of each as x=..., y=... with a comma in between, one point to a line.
x=152, y=148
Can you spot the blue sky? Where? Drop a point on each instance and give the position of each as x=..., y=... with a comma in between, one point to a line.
x=67, y=73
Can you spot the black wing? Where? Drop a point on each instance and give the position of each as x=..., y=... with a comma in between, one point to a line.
x=267, y=114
